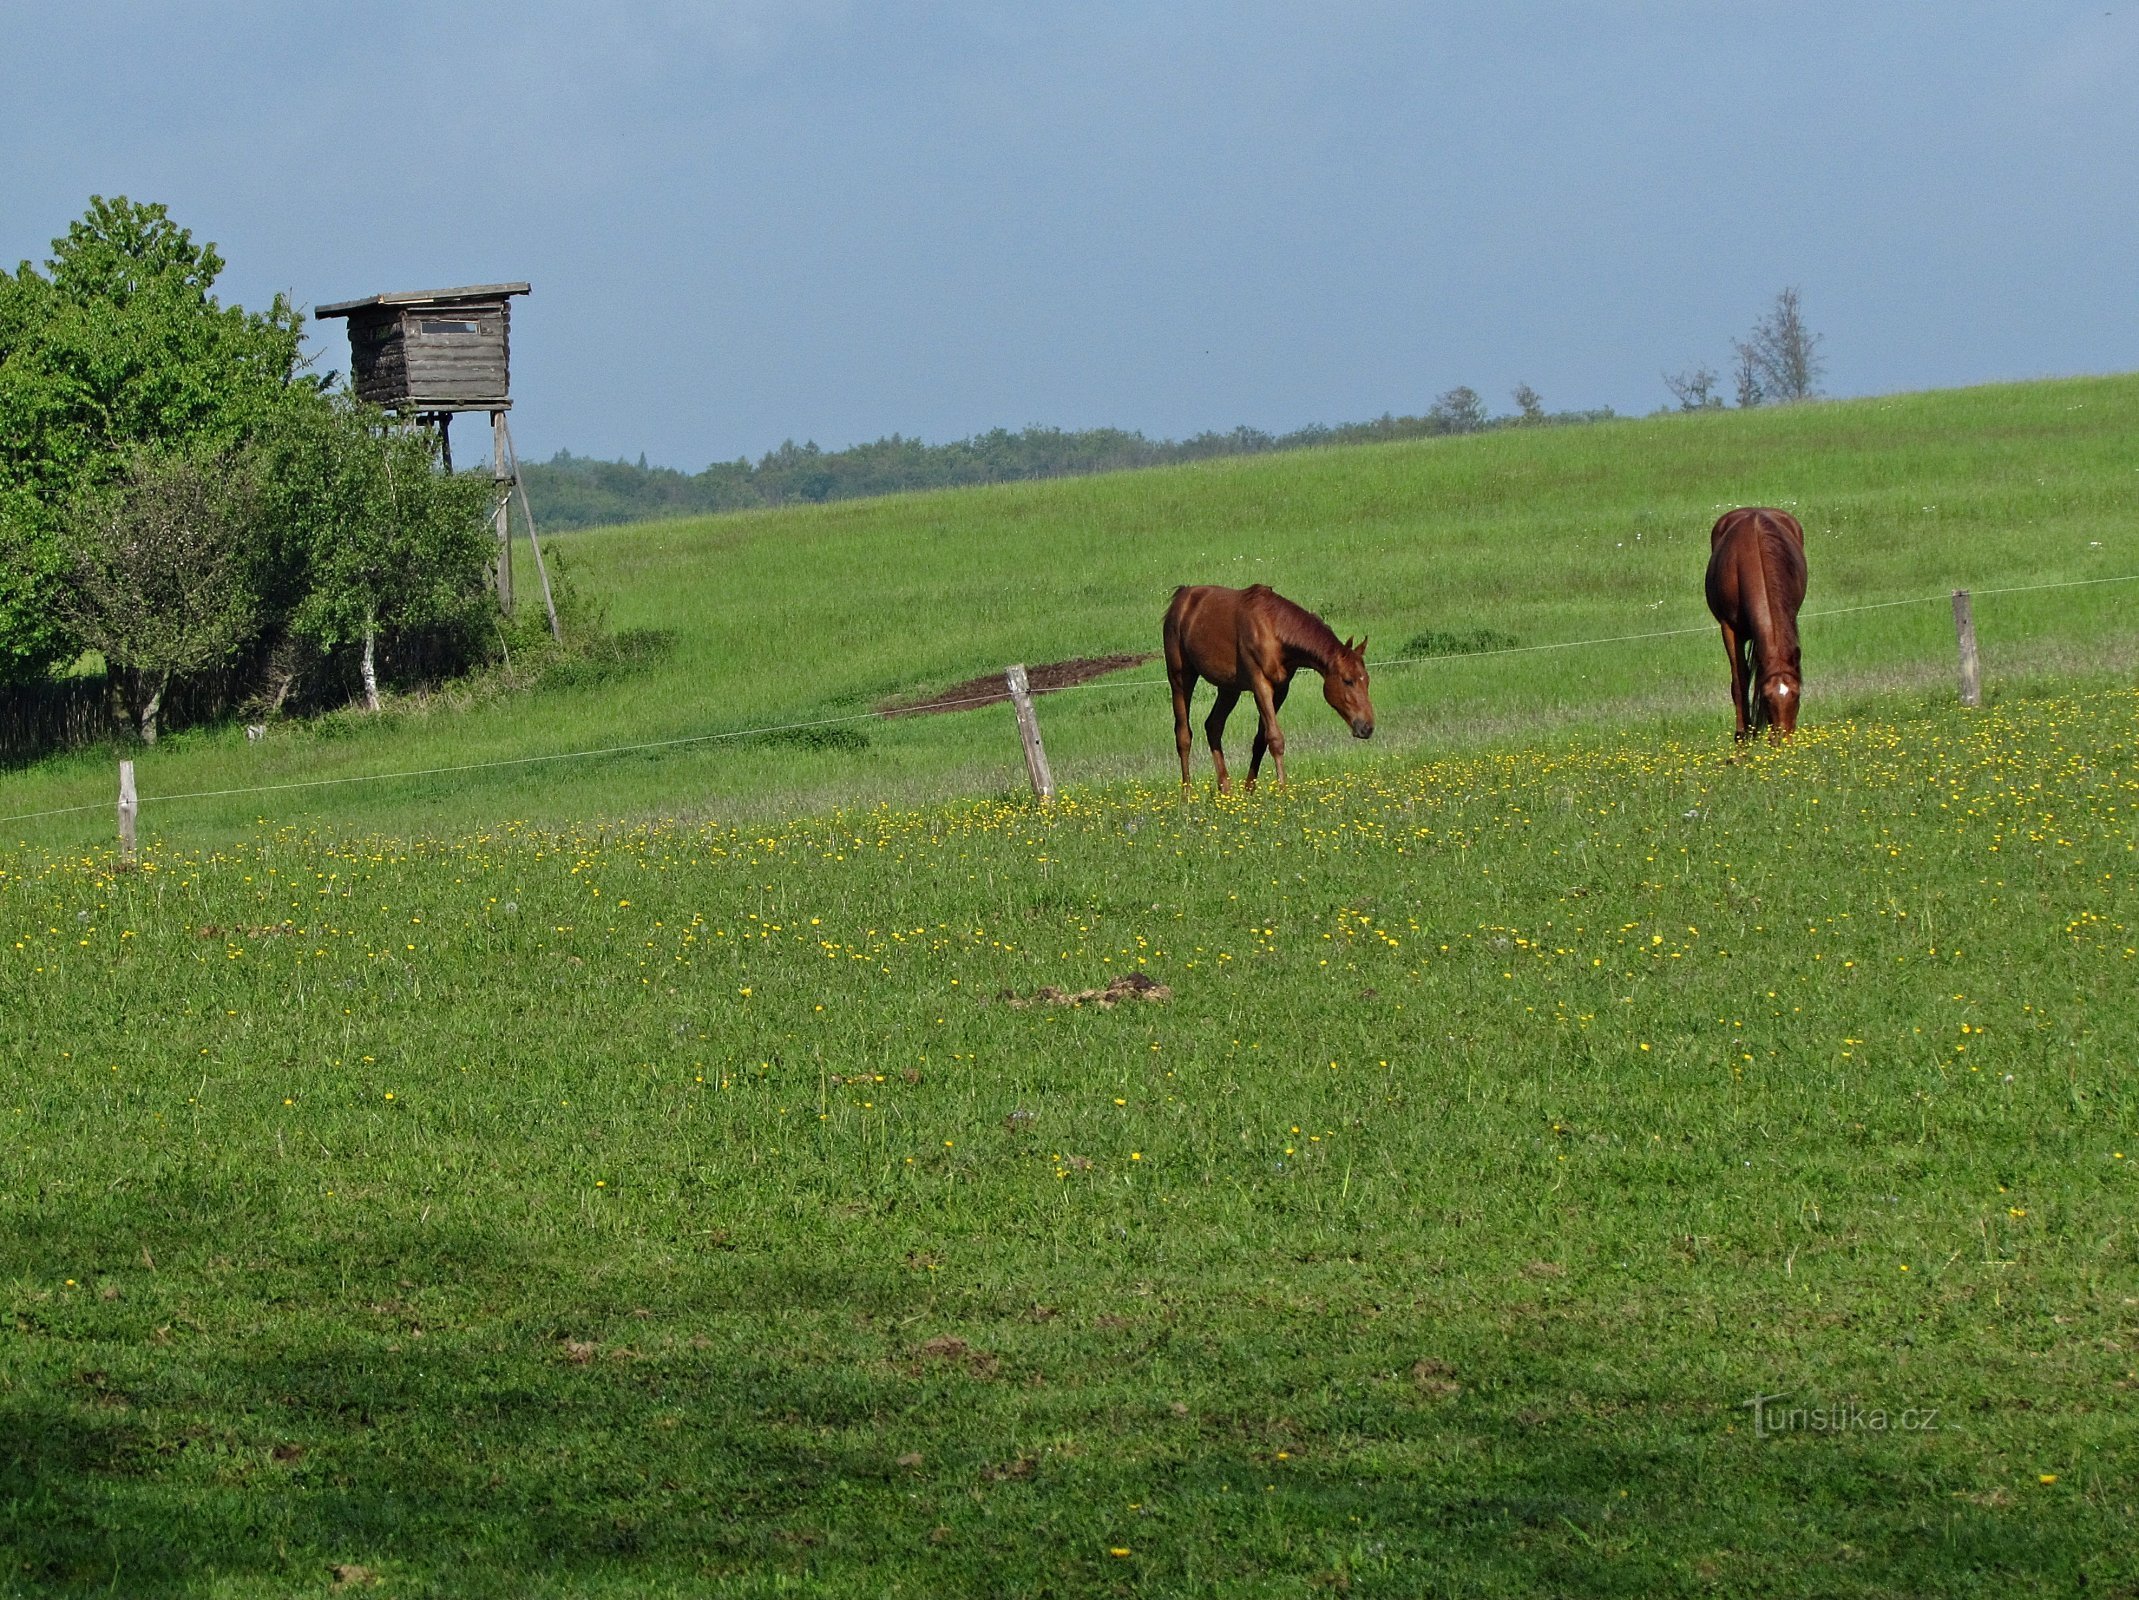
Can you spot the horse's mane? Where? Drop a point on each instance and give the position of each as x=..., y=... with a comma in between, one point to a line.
x=1297, y=626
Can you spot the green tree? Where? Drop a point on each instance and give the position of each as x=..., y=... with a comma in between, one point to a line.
x=156, y=570
x=119, y=344
x=1460, y=410
x=363, y=537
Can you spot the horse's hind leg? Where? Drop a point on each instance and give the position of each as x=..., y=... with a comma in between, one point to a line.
x=1183, y=740
x=1741, y=676
x=1262, y=737
x=1214, y=729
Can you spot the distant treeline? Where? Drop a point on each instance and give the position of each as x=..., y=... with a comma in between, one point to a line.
x=571, y=491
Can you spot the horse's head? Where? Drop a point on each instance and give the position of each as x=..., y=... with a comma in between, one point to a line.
x=1344, y=686
x=1779, y=695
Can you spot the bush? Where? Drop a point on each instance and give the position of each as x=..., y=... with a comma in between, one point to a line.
x=1466, y=642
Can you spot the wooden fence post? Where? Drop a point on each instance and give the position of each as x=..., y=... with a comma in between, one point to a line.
x=1964, y=627
x=1043, y=781
x=129, y=805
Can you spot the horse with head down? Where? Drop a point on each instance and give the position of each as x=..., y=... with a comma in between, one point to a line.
x=1251, y=641
x=1756, y=582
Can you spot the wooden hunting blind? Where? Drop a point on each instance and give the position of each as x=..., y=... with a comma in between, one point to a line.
x=429, y=353
x=432, y=351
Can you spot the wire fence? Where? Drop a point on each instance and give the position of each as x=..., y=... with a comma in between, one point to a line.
x=994, y=697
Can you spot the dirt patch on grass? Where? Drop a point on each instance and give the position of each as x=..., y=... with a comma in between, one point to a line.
x=992, y=691
x=1129, y=986
x=946, y=1351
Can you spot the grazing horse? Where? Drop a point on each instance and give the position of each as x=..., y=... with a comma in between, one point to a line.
x=1756, y=582
x=1251, y=641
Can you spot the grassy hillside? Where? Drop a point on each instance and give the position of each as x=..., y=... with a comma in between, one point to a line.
x=440, y=1185
x=804, y=614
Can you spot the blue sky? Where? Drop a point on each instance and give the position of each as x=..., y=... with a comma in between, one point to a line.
x=754, y=221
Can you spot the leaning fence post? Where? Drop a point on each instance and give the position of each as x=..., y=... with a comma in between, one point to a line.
x=1043, y=781
x=1964, y=627
x=129, y=805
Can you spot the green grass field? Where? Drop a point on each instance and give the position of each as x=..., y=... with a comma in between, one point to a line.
x=451, y=1184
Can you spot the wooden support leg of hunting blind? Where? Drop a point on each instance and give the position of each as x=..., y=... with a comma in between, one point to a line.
x=549, y=603
x=519, y=487
x=1043, y=781
x=129, y=807
x=1964, y=628
x=501, y=519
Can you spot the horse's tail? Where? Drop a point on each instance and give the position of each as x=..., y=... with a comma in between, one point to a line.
x=1758, y=608
x=1773, y=615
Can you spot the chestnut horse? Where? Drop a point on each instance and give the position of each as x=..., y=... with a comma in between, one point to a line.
x=1251, y=641
x=1756, y=582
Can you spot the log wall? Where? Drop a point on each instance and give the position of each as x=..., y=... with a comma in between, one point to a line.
x=403, y=358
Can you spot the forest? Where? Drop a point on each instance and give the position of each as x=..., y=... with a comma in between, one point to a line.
x=571, y=491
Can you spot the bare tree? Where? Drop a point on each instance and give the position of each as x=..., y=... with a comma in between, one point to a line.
x=1783, y=353
x=1695, y=390
x=1529, y=404
x=157, y=578
x=1746, y=370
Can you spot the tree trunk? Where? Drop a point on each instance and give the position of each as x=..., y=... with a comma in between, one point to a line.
x=136, y=699
x=151, y=704
x=283, y=665
x=371, y=670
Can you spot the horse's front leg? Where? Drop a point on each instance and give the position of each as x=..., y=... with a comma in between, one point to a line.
x=1214, y=729
x=1270, y=734
x=1262, y=735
